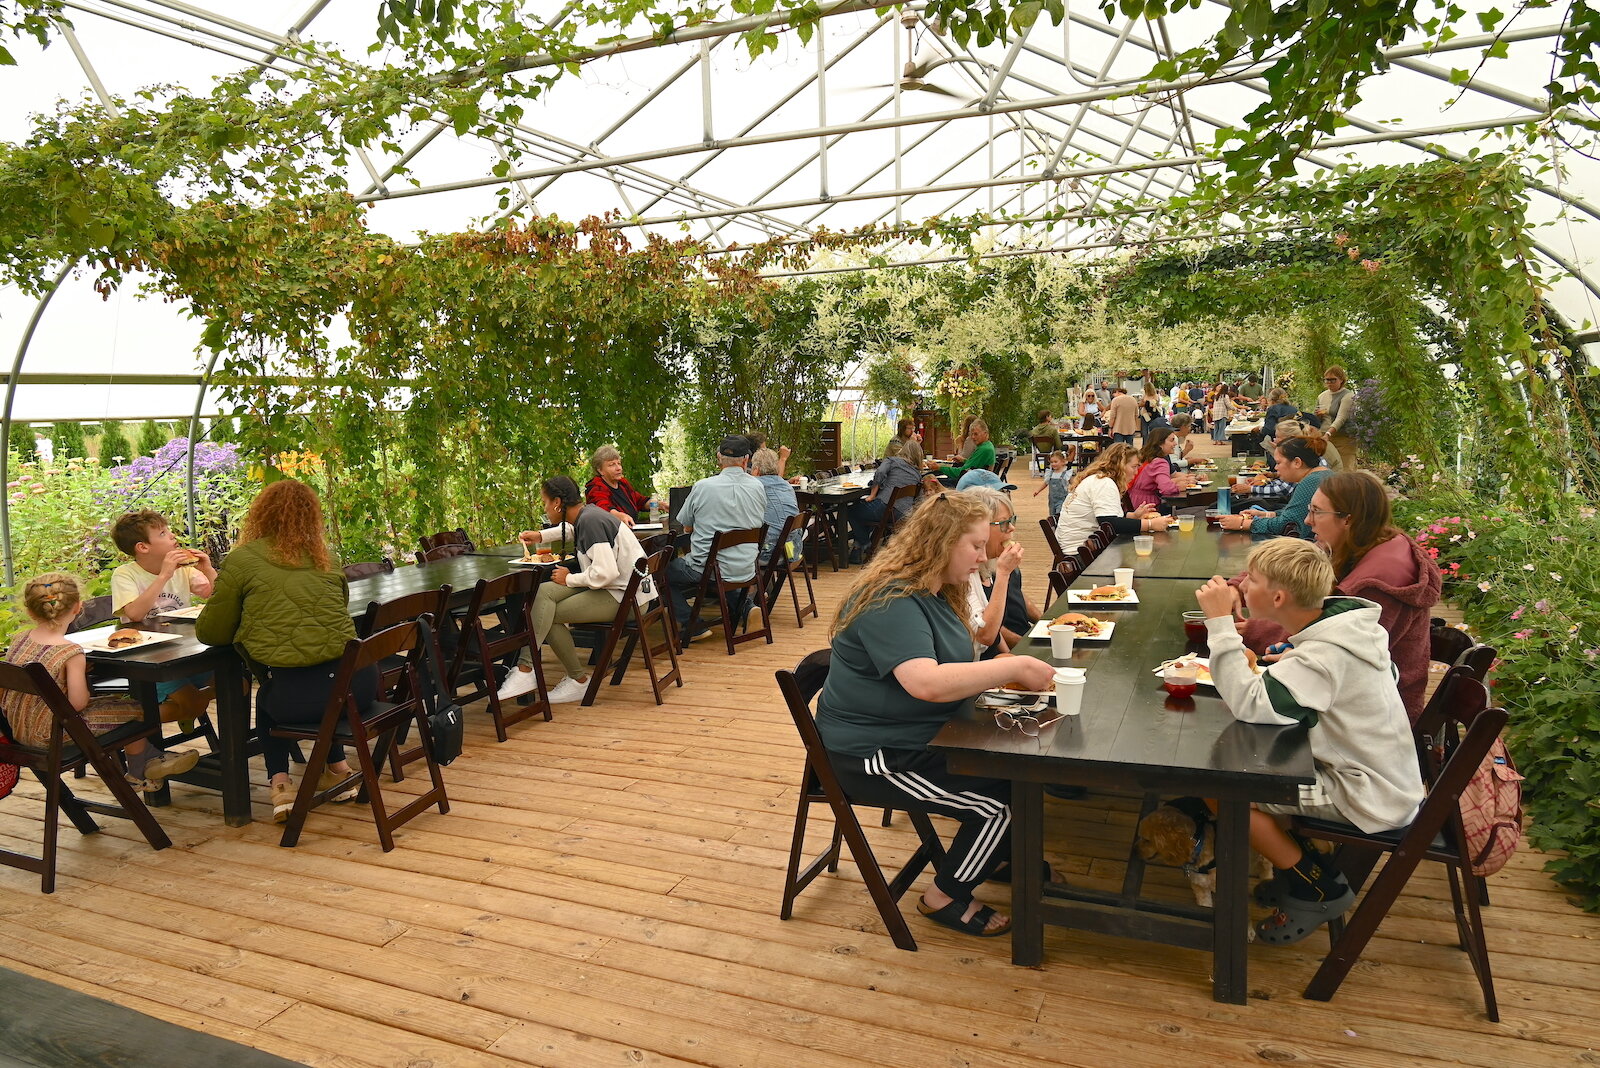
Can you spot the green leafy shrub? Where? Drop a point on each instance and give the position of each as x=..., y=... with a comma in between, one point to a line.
x=66, y=439
x=23, y=443
x=114, y=445
x=151, y=438
x=1525, y=584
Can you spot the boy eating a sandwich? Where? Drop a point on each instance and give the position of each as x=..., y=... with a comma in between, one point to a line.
x=1336, y=680
x=162, y=576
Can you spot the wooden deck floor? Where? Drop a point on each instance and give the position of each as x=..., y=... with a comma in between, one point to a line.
x=604, y=891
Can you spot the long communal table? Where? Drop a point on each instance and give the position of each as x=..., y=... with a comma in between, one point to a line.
x=227, y=770
x=1197, y=554
x=1131, y=734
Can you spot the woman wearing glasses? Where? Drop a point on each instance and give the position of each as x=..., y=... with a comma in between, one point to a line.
x=1374, y=559
x=903, y=663
x=1336, y=404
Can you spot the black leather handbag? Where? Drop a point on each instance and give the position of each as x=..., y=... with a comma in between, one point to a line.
x=447, y=726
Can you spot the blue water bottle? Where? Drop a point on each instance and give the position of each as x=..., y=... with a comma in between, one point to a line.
x=1224, y=505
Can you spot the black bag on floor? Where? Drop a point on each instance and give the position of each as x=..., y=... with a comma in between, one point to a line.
x=446, y=725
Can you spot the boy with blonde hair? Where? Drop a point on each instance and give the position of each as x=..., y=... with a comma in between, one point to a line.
x=1334, y=678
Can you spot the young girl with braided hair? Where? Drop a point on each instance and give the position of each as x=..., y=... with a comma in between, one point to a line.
x=53, y=601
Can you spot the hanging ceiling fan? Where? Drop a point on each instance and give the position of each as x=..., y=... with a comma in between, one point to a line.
x=913, y=76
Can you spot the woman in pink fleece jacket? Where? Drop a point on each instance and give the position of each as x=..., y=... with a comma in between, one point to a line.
x=1375, y=560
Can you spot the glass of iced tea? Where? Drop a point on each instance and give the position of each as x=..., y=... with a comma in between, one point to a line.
x=1194, y=626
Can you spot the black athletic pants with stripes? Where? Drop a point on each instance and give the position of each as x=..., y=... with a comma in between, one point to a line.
x=918, y=779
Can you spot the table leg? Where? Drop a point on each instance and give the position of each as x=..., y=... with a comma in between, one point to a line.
x=1027, y=875
x=233, y=734
x=1230, y=918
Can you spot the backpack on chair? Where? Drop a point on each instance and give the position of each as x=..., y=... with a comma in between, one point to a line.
x=1491, y=811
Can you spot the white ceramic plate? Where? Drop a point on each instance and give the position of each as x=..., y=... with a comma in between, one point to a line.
x=94, y=641
x=1080, y=597
x=192, y=612
x=648, y=526
x=1041, y=630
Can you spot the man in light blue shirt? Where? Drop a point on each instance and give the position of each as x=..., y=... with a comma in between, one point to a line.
x=731, y=499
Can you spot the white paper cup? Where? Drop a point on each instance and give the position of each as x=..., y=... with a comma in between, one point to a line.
x=1069, y=691
x=1061, y=641
x=1123, y=576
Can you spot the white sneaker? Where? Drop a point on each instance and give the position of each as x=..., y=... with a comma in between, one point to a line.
x=568, y=690
x=519, y=682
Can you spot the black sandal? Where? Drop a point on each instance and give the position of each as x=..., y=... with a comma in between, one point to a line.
x=950, y=916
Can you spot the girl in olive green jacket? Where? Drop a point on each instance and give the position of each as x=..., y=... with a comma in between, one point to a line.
x=282, y=601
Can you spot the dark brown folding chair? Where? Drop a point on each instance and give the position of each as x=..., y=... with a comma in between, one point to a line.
x=365, y=568
x=634, y=621
x=441, y=552
x=819, y=526
x=457, y=536
x=1048, y=528
x=480, y=648
x=381, y=615
x=780, y=570
x=369, y=733
x=1436, y=834
x=1062, y=576
x=1085, y=556
x=1097, y=542
x=72, y=745
x=1042, y=448
x=886, y=525
x=731, y=595
x=819, y=785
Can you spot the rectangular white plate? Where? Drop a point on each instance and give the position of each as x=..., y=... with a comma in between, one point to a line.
x=94, y=641
x=1078, y=597
x=648, y=526
x=1041, y=630
x=192, y=612
x=519, y=562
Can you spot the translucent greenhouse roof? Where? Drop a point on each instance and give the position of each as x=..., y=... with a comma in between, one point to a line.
x=880, y=119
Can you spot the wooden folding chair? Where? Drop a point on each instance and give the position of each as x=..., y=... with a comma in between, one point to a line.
x=634, y=620
x=726, y=592
x=381, y=615
x=780, y=569
x=72, y=745
x=886, y=525
x=1042, y=448
x=1085, y=556
x=479, y=648
x=367, y=568
x=1436, y=834
x=1062, y=576
x=457, y=536
x=819, y=785
x=370, y=733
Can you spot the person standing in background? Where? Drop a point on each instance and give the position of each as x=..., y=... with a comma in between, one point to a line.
x=1335, y=405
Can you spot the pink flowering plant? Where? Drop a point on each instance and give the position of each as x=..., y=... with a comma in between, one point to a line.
x=1530, y=586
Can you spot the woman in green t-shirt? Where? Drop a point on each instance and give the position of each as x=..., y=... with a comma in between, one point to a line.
x=903, y=663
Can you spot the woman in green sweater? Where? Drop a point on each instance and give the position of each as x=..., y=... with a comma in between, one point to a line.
x=283, y=602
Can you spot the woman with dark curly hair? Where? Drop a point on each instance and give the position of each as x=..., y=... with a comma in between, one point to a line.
x=283, y=602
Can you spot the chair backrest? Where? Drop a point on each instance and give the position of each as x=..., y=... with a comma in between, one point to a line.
x=1048, y=528
x=676, y=495
x=656, y=563
x=1458, y=733
x=368, y=567
x=380, y=615
x=1044, y=445
x=1478, y=659
x=441, y=552
x=1063, y=575
x=1446, y=642
x=490, y=590
x=779, y=557
x=33, y=680
x=656, y=542
x=728, y=539
x=806, y=500
x=799, y=688
x=1085, y=556
x=96, y=610
x=457, y=536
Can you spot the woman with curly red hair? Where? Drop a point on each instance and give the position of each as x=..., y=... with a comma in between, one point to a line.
x=282, y=601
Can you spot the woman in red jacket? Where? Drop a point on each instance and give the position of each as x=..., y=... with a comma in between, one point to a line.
x=1375, y=560
x=609, y=491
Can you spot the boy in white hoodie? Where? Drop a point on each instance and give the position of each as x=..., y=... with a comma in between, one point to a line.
x=1333, y=677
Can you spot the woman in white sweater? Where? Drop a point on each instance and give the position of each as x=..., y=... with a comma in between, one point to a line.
x=1096, y=495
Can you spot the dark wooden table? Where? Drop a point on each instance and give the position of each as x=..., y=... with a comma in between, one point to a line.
x=1131, y=734
x=1197, y=555
x=226, y=770
x=832, y=497
x=461, y=572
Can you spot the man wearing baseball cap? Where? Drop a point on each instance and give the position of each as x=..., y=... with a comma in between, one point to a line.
x=731, y=499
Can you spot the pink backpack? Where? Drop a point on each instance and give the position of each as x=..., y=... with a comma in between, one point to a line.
x=1491, y=811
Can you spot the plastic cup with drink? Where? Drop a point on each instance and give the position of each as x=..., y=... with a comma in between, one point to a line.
x=1144, y=544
